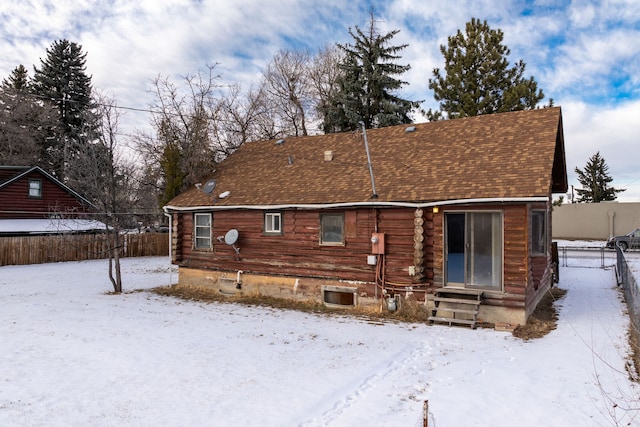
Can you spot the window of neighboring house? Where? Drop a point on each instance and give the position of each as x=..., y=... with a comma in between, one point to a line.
x=35, y=188
x=538, y=232
x=273, y=223
x=202, y=223
x=332, y=229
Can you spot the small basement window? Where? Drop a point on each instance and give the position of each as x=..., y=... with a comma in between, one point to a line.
x=339, y=296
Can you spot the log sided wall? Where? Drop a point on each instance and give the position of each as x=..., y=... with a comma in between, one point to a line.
x=295, y=265
x=298, y=253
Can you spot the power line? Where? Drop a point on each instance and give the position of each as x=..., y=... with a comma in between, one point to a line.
x=114, y=105
x=53, y=99
x=75, y=214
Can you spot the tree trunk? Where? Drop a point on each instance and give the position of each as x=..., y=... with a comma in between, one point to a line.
x=116, y=255
x=114, y=261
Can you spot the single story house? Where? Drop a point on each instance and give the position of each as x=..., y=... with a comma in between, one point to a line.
x=457, y=209
x=34, y=202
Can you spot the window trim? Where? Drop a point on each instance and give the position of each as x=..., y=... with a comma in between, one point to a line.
x=339, y=215
x=541, y=213
x=35, y=181
x=208, y=238
x=268, y=228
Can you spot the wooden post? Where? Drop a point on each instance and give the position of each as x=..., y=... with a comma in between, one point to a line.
x=425, y=414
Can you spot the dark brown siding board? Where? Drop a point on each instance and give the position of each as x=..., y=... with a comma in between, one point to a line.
x=350, y=224
x=515, y=254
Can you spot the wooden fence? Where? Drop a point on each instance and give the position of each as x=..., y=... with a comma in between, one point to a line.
x=21, y=250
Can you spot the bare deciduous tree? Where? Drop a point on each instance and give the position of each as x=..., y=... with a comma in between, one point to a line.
x=183, y=117
x=104, y=176
x=324, y=74
x=287, y=87
x=242, y=118
x=197, y=124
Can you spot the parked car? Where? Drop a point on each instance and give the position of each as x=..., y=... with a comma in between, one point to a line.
x=156, y=229
x=628, y=241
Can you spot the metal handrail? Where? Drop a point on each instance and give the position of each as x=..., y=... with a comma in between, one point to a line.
x=565, y=249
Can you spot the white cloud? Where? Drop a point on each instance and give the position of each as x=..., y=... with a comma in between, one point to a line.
x=582, y=14
x=612, y=131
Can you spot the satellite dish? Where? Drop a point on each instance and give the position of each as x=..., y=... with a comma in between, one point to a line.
x=231, y=237
x=209, y=186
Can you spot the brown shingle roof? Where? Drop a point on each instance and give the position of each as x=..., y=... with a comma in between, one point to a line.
x=508, y=155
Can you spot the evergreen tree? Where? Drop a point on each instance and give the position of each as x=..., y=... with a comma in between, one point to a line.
x=18, y=80
x=171, y=172
x=63, y=81
x=367, y=84
x=478, y=79
x=595, y=181
x=26, y=122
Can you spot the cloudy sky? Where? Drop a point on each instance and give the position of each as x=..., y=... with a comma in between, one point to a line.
x=585, y=54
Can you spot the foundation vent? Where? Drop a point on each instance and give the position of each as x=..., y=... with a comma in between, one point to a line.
x=339, y=296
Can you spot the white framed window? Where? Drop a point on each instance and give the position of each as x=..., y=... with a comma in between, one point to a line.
x=539, y=232
x=273, y=223
x=202, y=232
x=35, y=188
x=332, y=229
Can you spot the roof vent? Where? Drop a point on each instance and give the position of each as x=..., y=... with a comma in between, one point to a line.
x=410, y=129
x=280, y=142
x=328, y=156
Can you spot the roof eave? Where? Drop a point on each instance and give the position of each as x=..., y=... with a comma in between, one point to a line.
x=416, y=205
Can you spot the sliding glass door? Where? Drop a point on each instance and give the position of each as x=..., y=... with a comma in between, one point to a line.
x=473, y=249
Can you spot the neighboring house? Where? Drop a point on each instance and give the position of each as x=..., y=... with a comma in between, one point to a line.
x=462, y=206
x=34, y=202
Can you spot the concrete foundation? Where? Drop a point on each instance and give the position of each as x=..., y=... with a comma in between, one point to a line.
x=293, y=288
x=310, y=290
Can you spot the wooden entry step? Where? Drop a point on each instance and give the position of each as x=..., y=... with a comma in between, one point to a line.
x=456, y=306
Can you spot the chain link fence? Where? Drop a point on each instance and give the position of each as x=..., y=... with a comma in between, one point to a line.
x=629, y=284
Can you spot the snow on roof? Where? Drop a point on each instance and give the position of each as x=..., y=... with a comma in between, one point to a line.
x=48, y=226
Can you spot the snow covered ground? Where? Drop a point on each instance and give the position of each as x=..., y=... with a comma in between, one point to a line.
x=73, y=355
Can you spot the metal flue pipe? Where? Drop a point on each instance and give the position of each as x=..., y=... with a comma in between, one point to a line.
x=366, y=146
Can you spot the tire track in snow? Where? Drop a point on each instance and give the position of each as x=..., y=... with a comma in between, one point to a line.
x=384, y=370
